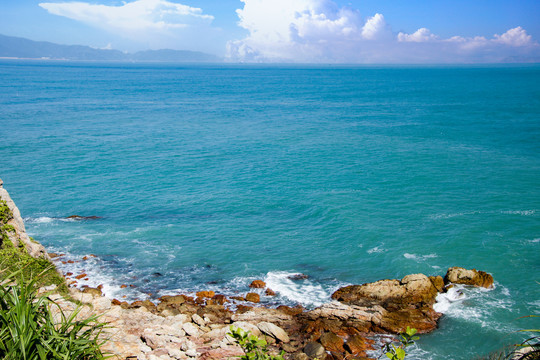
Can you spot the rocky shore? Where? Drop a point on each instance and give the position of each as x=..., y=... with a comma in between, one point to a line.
x=183, y=327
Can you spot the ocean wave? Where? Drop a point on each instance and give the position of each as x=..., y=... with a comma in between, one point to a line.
x=307, y=292
x=420, y=257
x=376, y=249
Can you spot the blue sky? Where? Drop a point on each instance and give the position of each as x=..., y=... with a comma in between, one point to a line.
x=363, y=31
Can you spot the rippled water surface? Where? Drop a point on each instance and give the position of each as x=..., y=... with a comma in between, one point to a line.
x=207, y=177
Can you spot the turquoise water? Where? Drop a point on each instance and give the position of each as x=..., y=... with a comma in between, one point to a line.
x=207, y=177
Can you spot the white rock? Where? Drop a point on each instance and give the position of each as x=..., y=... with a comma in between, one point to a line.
x=197, y=319
x=191, y=353
x=274, y=331
x=191, y=329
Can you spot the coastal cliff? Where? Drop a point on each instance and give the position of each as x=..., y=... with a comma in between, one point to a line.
x=15, y=230
x=182, y=327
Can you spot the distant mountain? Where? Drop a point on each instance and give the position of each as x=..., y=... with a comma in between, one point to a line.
x=14, y=47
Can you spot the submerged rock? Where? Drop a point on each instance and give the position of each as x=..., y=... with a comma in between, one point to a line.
x=79, y=217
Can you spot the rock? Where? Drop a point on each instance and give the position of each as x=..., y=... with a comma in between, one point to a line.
x=438, y=282
x=254, y=330
x=269, y=292
x=298, y=276
x=191, y=353
x=81, y=276
x=79, y=217
x=92, y=291
x=332, y=342
x=197, y=319
x=191, y=329
x=315, y=350
x=274, y=331
x=458, y=275
x=219, y=299
x=301, y=356
x=205, y=294
x=19, y=235
x=253, y=297
x=257, y=284
x=357, y=345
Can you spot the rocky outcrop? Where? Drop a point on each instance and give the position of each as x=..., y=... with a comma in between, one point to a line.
x=458, y=275
x=19, y=236
x=386, y=305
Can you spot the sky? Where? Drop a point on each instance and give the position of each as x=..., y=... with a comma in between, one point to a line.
x=302, y=31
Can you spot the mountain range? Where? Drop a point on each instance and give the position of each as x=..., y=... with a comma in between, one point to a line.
x=15, y=47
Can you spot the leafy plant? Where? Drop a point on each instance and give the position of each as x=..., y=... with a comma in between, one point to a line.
x=533, y=343
x=253, y=347
x=34, y=327
x=406, y=338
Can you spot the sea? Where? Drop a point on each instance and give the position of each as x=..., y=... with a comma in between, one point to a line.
x=206, y=177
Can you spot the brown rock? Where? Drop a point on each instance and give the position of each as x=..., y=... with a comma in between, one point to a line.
x=93, y=291
x=291, y=310
x=332, y=342
x=220, y=299
x=357, y=345
x=123, y=286
x=70, y=262
x=253, y=297
x=315, y=350
x=241, y=309
x=239, y=298
x=116, y=302
x=438, y=282
x=270, y=292
x=257, y=284
x=69, y=273
x=85, y=258
x=458, y=275
x=206, y=294
x=175, y=299
x=81, y=276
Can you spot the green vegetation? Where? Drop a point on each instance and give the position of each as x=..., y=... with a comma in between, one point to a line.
x=406, y=338
x=30, y=330
x=254, y=348
x=14, y=258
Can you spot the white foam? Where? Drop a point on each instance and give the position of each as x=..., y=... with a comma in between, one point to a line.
x=519, y=212
x=446, y=302
x=419, y=257
x=376, y=249
x=40, y=220
x=305, y=292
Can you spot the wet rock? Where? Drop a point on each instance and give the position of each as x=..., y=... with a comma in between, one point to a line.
x=220, y=299
x=269, y=292
x=315, y=350
x=79, y=217
x=458, y=275
x=253, y=297
x=274, y=331
x=298, y=277
x=205, y=294
x=81, y=276
x=257, y=284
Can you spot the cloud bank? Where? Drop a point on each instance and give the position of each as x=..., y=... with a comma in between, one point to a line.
x=322, y=32
x=155, y=22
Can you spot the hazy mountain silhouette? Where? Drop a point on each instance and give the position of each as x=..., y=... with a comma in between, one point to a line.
x=15, y=47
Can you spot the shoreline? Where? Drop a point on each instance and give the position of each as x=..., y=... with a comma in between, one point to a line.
x=182, y=327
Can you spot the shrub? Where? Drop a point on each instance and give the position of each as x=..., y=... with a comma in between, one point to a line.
x=406, y=338
x=28, y=329
x=253, y=347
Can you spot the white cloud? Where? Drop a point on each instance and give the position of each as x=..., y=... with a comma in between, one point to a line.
x=321, y=31
x=157, y=22
x=514, y=37
x=421, y=35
